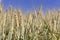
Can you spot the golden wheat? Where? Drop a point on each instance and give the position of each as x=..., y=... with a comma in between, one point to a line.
x=33, y=26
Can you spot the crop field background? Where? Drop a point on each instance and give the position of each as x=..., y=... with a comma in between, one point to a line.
x=35, y=24
x=14, y=25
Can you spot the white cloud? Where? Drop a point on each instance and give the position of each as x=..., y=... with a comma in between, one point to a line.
x=0, y=0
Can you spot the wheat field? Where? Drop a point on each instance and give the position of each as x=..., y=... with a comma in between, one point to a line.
x=14, y=25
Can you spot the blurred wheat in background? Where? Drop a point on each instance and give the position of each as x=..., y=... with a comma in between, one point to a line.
x=14, y=25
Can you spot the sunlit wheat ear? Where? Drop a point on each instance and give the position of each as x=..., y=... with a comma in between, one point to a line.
x=34, y=14
x=17, y=22
x=4, y=23
x=48, y=13
x=55, y=26
x=29, y=18
x=1, y=28
x=58, y=21
x=40, y=12
x=53, y=13
x=49, y=19
x=59, y=14
x=21, y=22
x=11, y=28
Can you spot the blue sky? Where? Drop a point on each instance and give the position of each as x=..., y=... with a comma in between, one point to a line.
x=26, y=5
